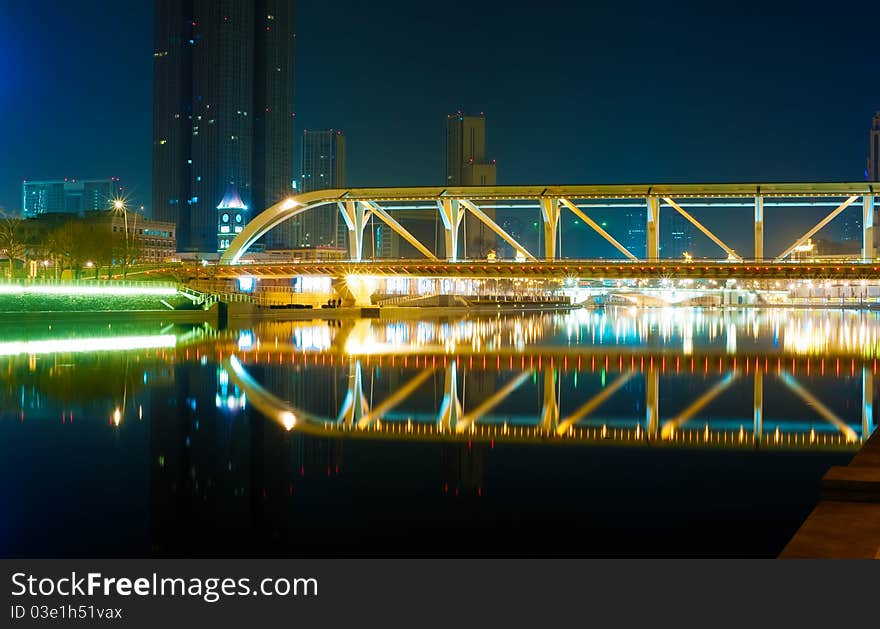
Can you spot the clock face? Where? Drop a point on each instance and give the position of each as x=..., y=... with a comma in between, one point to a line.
x=225, y=218
x=238, y=218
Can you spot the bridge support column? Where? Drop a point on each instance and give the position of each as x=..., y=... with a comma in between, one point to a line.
x=867, y=403
x=652, y=229
x=550, y=409
x=452, y=214
x=758, y=407
x=868, y=229
x=355, y=216
x=652, y=406
x=354, y=406
x=550, y=216
x=759, y=228
x=450, y=407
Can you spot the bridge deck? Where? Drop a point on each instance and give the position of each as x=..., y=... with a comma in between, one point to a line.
x=564, y=269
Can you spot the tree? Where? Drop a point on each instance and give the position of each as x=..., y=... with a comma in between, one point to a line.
x=13, y=241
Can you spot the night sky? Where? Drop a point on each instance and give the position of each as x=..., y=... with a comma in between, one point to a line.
x=573, y=92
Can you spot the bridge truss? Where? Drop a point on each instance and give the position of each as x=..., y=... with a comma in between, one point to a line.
x=452, y=205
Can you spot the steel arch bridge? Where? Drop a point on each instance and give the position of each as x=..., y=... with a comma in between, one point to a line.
x=357, y=205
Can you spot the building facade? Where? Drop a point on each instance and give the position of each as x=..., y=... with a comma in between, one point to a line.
x=676, y=235
x=222, y=112
x=874, y=149
x=322, y=160
x=68, y=196
x=467, y=165
x=154, y=241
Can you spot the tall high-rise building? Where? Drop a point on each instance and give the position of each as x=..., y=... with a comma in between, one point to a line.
x=635, y=231
x=222, y=113
x=68, y=196
x=874, y=149
x=676, y=235
x=466, y=165
x=323, y=166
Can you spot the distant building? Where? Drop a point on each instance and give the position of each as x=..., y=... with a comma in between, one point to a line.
x=514, y=226
x=467, y=165
x=874, y=149
x=635, y=231
x=222, y=112
x=323, y=160
x=307, y=254
x=155, y=241
x=68, y=196
x=676, y=235
x=323, y=167
x=851, y=224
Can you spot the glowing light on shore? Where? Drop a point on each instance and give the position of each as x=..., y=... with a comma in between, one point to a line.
x=76, y=290
x=97, y=344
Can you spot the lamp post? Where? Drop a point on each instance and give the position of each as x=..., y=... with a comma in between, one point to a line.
x=120, y=208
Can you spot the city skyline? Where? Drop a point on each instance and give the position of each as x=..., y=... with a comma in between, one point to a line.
x=784, y=135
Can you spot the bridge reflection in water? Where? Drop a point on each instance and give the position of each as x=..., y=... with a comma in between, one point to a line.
x=379, y=431
x=512, y=381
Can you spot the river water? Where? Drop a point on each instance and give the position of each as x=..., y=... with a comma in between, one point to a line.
x=598, y=433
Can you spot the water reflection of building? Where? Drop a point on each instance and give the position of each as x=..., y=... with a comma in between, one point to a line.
x=464, y=468
x=215, y=471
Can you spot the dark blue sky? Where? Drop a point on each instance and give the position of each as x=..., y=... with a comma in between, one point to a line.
x=587, y=92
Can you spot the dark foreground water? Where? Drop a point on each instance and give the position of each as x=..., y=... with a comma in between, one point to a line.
x=618, y=433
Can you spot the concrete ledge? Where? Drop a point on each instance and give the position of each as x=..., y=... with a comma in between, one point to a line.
x=837, y=530
x=851, y=484
x=846, y=522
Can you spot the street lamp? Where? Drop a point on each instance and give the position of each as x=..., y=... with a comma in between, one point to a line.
x=118, y=207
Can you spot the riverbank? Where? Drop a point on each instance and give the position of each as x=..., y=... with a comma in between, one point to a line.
x=846, y=522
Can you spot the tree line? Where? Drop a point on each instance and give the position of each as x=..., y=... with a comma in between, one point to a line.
x=83, y=246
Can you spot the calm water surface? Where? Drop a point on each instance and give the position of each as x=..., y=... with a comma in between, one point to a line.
x=657, y=432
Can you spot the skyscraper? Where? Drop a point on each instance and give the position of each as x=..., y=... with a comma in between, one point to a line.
x=323, y=167
x=676, y=235
x=634, y=234
x=874, y=149
x=222, y=113
x=466, y=165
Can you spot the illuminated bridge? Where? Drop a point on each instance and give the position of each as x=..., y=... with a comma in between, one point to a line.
x=570, y=269
x=451, y=205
